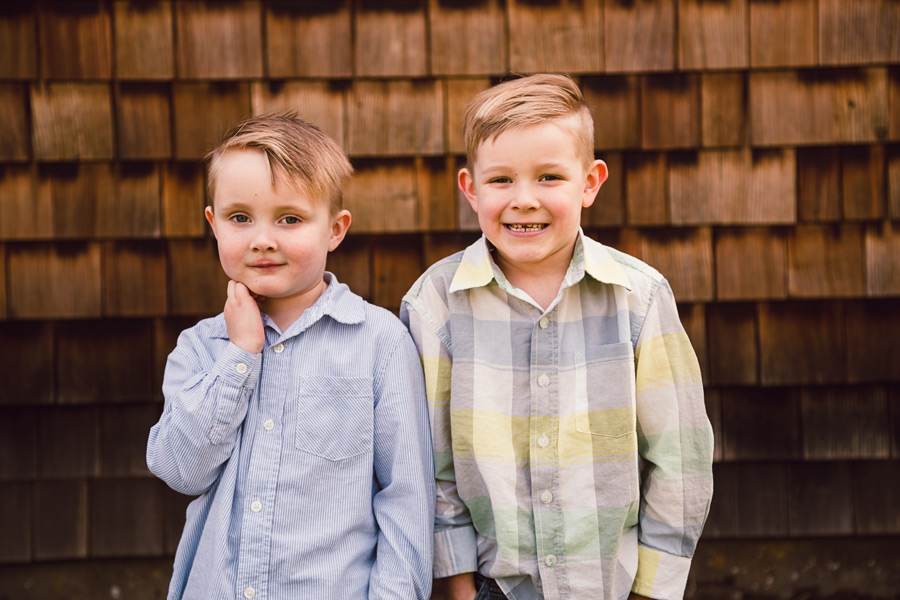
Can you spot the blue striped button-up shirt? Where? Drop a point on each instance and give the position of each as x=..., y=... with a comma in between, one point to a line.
x=312, y=460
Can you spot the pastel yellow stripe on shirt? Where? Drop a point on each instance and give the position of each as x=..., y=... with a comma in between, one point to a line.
x=648, y=565
x=489, y=434
x=437, y=379
x=597, y=435
x=664, y=359
x=470, y=275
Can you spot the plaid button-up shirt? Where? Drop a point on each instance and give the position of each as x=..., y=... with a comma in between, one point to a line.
x=572, y=448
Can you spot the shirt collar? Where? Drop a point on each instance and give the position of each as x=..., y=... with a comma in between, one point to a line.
x=477, y=268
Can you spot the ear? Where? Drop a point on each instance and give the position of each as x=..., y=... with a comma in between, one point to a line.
x=466, y=184
x=339, y=226
x=596, y=175
x=211, y=219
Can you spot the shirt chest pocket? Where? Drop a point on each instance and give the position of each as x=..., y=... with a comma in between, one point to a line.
x=334, y=417
x=604, y=391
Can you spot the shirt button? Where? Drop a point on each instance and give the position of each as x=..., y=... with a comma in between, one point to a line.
x=543, y=441
x=269, y=425
x=543, y=380
x=249, y=592
x=544, y=323
x=278, y=348
x=546, y=497
x=550, y=560
x=240, y=368
x=256, y=506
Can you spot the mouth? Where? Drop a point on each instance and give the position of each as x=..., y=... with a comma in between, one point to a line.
x=265, y=266
x=525, y=227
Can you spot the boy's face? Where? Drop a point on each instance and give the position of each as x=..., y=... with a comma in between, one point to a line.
x=528, y=186
x=274, y=241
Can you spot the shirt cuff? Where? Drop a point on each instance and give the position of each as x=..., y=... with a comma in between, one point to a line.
x=455, y=551
x=237, y=366
x=660, y=575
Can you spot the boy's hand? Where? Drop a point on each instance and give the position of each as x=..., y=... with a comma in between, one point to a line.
x=245, y=328
x=456, y=587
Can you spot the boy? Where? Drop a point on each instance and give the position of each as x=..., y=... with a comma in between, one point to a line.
x=572, y=449
x=297, y=415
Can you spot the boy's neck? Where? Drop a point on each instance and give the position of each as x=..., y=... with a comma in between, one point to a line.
x=542, y=281
x=284, y=311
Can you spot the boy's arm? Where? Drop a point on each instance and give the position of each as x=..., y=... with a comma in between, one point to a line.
x=404, y=503
x=455, y=548
x=675, y=443
x=204, y=409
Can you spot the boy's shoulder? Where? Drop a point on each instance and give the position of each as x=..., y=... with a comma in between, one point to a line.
x=639, y=273
x=436, y=278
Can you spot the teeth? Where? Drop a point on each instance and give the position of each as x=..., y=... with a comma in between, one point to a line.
x=532, y=227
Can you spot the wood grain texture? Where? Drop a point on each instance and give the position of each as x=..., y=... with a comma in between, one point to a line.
x=646, y=192
x=383, y=197
x=219, y=40
x=882, y=263
x=144, y=38
x=133, y=209
x=820, y=499
x=126, y=517
x=60, y=527
x=713, y=35
x=863, y=182
x=396, y=264
x=390, y=38
x=684, y=257
x=627, y=28
x=309, y=39
x=72, y=121
x=845, y=423
x=395, y=118
x=670, y=111
x=144, y=121
x=761, y=424
x=878, y=494
x=723, y=110
x=318, y=102
x=50, y=281
x=566, y=35
x=123, y=447
x=351, y=263
x=18, y=42
x=751, y=264
x=826, y=261
x=872, y=352
x=762, y=492
x=693, y=319
x=861, y=32
x=18, y=447
x=733, y=346
x=482, y=23
x=26, y=358
x=134, y=279
x=27, y=210
x=615, y=103
x=16, y=509
x=203, y=112
x=183, y=200
x=783, y=34
x=459, y=92
x=15, y=122
x=819, y=189
x=436, y=185
x=74, y=453
x=197, y=283
x=894, y=102
x=75, y=39
x=608, y=209
x=893, y=182
x=76, y=192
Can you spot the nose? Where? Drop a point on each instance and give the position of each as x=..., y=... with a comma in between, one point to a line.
x=524, y=198
x=263, y=240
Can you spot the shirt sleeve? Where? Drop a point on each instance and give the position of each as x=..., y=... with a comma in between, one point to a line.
x=205, y=405
x=676, y=446
x=455, y=548
x=404, y=503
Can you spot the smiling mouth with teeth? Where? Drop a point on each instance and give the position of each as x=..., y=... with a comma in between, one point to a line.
x=528, y=227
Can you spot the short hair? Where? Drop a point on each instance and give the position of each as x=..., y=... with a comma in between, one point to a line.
x=529, y=101
x=310, y=161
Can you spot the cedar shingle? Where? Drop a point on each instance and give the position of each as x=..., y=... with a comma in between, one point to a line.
x=819, y=184
x=566, y=35
x=165, y=336
x=712, y=35
x=873, y=328
x=615, y=105
x=27, y=208
x=174, y=509
x=319, y=102
x=183, y=200
x=123, y=439
x=723, y=109
x=882, y=264
x=383, y=197
x=684, y=257
x=3, y=311
x=670, y=111
x=134, y=279
x=782, y=33
x=761, y=424
x=481, y=23
x=76, y=40
x=442, y=245
x=893, y=181
x=76, y=191
x=459, y=93
x=134, y=210
x=877, y=485
x=733, y=186
x=864, y=31
x=751, y=263
x=820, y=499
x=646, y=192
x=144, y=39
x=72, y=121
x=54, y=281
x=16, y=508
x=60, y=519
x=608, y=209
x=733, y=349
x=713, y=400
x=26, y=359
x=18, y=442
x=144, y=121
x=15, y=130
x=395, y=118
x=862, y=176
x=126, y=518
x=18, y=43
x=628, y=26
x=309, y=39
x=68, y=442
x=219, y=40
x=467, y=219
x=802, y=343
x=197, y=283
x=723, y=510
x=396, y=264
x=894, y=102
x=848, y=423
x=826, y=261
x=204, y=112
x=351, y=263
x=437, y=193
x=762, y=490
x=104, y=361
x=894, y=393
x=693, y=319
x=818, y=107
x=390, y=38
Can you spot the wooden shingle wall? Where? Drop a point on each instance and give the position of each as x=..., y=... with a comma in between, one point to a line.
x=754, y=149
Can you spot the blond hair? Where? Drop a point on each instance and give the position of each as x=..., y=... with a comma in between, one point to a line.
x=310, y=161
x=529, y=101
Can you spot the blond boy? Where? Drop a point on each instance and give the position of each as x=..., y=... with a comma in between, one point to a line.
x=297, y=416
x=572, y=448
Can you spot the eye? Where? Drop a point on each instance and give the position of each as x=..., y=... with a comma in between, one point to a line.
x=240, y=218
x=500, y=180
x=291, y=220
x=550, y=178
